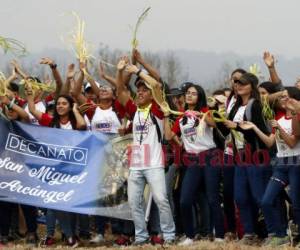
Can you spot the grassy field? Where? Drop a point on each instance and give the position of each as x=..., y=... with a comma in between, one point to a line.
x=200, y=245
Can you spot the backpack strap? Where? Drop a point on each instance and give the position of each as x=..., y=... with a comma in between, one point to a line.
x=248, y=110
x=159, y=135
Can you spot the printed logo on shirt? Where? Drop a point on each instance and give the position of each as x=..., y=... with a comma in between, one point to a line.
x=190, y=134
x=105, y=126
x=141, y=131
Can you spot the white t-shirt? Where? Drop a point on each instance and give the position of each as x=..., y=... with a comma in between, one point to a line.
x=196, y=139
x=40, y=106
x=146, y=151
x=104, y=120
x=283, y=150
x=239, y=142
x=68, y=125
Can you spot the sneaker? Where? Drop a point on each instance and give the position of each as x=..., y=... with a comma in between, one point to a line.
x=4, y=240
x=122, y=241
x=219, y=240
x=229, y=236
x=279, y=241
x=47, y=242
x=156, y=240
x=186, y=242
x=72, y=242
x=97, y=239
x=249, y=239
x=141, y=243
x=169, y=242
x=32, y=240
x=267, y=241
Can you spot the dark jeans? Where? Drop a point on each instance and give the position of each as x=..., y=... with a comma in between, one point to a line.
x=193, y=182
x=250, y=183
x=228, y=197
x=5, y=217
x=124, y=227
x=213, y=178
x=100, y=222
x=283, y=175
x=30, y=214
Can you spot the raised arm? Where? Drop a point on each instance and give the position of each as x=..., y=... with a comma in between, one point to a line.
x=70, y=77
x=80, y=122
x=12, y=77
x=76, y=91
x=270, y=63
x=30, y=101
x=153, y=83
x=103, y=75
x=18, y=69
x=137, y=57
x=55, y=73
x=122, y=92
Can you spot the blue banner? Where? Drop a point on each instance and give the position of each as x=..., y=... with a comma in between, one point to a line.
x=77, y=171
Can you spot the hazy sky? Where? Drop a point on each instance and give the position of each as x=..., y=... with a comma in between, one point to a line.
x=244, y=27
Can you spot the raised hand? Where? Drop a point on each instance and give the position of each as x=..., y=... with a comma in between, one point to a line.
x=101, y=71
x=75, y=108
x=136, y=55
x=131, y=69
x=71, y=71
x=47, y=61
x=16, y=66
x=269, y=59
x=121, y=64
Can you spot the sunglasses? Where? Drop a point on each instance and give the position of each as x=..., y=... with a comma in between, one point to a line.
x=241, y=83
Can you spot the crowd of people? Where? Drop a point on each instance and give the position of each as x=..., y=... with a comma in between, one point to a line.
x=229, y=170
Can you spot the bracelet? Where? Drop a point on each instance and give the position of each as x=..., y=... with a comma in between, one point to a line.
x=53, y=66
x=12, y=102
x=139, y=72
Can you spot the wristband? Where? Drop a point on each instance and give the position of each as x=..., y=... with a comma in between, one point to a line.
x=53, y=66
x=139, y=72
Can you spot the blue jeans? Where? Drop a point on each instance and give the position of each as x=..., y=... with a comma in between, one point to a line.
x=213, y=176
x=153, y=224
x=65, y=220
x=193, y=182
x=250, y=183
x=228, y=196
x=100, y=222
x=50, y=222
x=136, y=184
x=283, y=175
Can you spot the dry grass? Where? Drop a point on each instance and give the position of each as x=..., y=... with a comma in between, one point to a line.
x=201, y=245
x=198, y=245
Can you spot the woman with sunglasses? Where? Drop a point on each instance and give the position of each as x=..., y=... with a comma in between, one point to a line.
x=286, y=171
x=250, y=180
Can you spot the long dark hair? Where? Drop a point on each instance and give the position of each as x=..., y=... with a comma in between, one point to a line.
x=254, y=95
x=238, y=70
x=201, y=101
x=56, y=118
